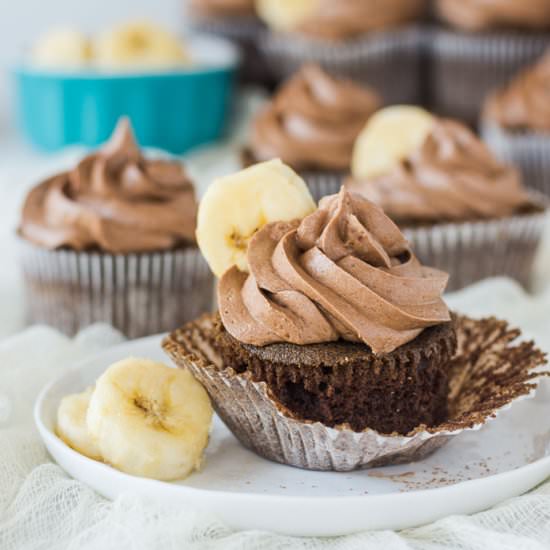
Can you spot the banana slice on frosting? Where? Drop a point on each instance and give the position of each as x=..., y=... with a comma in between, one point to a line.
x=72, y=427
x=235, y=207
x=150, y=420
x=62, y=48
x=390, y=136
x=285, y=15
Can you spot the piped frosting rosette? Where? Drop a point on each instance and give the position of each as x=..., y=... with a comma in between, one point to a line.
x=344, y=272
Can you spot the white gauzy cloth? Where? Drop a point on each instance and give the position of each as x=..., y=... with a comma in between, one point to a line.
x=42, y=508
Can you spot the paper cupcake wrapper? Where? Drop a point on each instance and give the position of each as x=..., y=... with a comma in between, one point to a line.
x=487, y=375
x=465, y=68
x=321, y=184
x=471, y=251
x=526, y=150
x=246, y=33
x=139, y=294
x=389, y=61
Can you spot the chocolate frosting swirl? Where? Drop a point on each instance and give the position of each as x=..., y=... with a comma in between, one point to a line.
x=341, y=19
x=115, y=200
x=345, y=271
x=223, y=8
x=476, y=15
x=452, y=177
x=313, y=120
x=525, y=103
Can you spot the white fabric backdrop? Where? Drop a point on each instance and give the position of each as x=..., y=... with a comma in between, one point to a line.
x=41, y=508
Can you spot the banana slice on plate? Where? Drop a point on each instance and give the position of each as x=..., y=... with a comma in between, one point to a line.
x=235, y=207
x=139, y=44
x=285, y=15
x=72, y=427
x=390, y=135
x=150, y=420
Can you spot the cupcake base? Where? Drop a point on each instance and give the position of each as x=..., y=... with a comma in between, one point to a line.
x=475, y=250
x=486, y=374
x=526, y=150
x=345, y=383
x=139, y=294
x=389, y=61
x=466, y=67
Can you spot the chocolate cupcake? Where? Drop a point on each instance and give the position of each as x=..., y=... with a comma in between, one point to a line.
x=113, y=241
x=335, y=349
x=377, y=43
x=481, y=47
x=234, y=20
x=311, y=124
x=463, y=210
x=516, y=124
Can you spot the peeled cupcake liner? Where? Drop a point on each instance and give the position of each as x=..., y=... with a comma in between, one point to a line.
x=389, y=61
x=528, y=151
x=475, y=250
x=465, y=67
x=487, y=375
x=138, y=293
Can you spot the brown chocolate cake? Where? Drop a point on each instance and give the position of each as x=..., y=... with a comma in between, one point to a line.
x=345, y=383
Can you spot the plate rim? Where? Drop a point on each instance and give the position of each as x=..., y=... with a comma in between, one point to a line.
x=47, y=434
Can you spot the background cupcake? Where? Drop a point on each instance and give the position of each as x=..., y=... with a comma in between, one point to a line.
x=484, y=44
x=369, y=41
x=235, y=20
x=516, y=124
x=311, y=124
x=113, y=240
x=333, y=349
x=462, y=209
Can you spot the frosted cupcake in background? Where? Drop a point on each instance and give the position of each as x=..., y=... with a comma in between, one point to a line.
x=516, y=124
x=373, y=42
x=311, y=124
x=113, y=240
x=479, y=46
x=462, y=209
x=235, y=20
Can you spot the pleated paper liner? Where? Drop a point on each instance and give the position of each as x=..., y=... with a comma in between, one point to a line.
x=528, y=151
x=488, y=373
x=245, y=32
x=471, y=251
x=390, y=61
x=139, y=294
x=466, y=67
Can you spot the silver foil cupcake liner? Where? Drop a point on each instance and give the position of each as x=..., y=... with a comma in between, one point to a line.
x=471, y=251
x=464, y=68
x=528, y=151
x=322, y=184
x=139, y=294
x=389, y=61
x=487, y=374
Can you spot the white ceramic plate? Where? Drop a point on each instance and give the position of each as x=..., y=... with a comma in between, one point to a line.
x=473, y=472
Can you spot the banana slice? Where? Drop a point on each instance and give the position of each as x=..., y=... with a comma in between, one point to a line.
x=72, y=427
x=150, y=420
x=62, y=48
x=390, y=136
x=285, y=15
x=235, y=207
x=139, y=44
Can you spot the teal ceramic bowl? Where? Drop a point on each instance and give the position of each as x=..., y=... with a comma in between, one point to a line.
x=173, y=110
